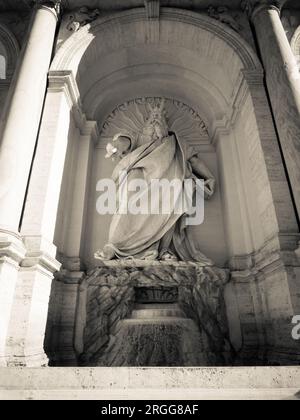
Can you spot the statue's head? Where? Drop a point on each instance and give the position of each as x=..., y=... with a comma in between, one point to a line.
x=156, y=126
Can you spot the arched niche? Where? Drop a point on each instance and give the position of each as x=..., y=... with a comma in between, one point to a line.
x=117, y=47
x=9, y=49
x=9, y=52
x=204, y=64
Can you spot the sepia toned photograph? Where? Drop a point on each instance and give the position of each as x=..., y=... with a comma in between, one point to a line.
x=149, y=202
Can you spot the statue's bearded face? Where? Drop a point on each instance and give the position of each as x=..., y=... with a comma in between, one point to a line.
x=160, y=130
x=155, y=129
x=148, y=133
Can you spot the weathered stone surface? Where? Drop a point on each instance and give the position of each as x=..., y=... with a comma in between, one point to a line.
x=204, y=303
x=118, y=332
x=156, y=342
x=157, y=384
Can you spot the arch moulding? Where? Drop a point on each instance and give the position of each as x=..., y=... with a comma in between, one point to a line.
x=11, y=47
x=95, y=44
x=77, y=44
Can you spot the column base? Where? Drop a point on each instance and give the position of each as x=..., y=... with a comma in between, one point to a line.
x=266, y=298
x=60, y=332
x=25, y=343
x=12, y=251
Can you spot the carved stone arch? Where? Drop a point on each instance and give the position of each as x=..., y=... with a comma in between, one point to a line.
x=11, y=47
x=213, y=58
x=76, y=45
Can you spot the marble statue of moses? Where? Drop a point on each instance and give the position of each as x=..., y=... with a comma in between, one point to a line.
x=150, y=236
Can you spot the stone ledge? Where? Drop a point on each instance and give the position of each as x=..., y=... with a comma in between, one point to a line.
x=155, y=395
x=158, y=383
x=134, y=263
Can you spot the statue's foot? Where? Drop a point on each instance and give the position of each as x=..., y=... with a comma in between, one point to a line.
x=168, y=256
x=99, y=255
x=150, y=256
x=107, y=254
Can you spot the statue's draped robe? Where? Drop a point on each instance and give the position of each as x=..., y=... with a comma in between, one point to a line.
x=147, y=236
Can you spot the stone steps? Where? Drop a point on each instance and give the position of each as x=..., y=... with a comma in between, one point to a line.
x=255, y=383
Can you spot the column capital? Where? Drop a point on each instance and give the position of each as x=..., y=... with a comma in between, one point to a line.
x=54, y=6
x=253, y=7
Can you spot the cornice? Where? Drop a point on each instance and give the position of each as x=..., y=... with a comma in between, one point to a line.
x=64, y=81
x=151, y=5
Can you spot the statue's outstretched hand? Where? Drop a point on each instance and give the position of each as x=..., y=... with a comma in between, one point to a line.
x=209, y=188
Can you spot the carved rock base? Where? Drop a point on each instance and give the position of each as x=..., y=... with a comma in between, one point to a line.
x=154, y=314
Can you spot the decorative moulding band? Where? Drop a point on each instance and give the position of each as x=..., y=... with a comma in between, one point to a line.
x=64, y=81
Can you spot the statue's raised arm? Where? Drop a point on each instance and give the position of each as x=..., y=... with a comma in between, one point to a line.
x=201, y=171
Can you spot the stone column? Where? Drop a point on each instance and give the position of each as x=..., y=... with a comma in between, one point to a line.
x=18, y=133
x=12, y=251
x=283, y=83
x=30, y=310
x=22, y=113
x=62, y=117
